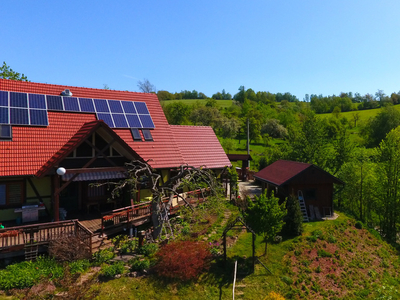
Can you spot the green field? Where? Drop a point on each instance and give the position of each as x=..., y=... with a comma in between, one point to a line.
x=221, y=103
x=364, y=114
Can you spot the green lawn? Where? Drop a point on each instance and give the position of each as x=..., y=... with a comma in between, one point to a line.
x=221, y=103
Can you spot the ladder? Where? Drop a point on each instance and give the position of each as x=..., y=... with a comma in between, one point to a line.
x=302, y=204
x=31, y=252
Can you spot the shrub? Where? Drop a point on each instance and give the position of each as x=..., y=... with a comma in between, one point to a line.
x=27, y=273
x=69, y=249
x=184, y=260
x=359, y=225
x=139, y=265
x=148, y=249
x=109, y=271
x=103, y=256
x=294, y=218
x=323, y=253
x=79, y=266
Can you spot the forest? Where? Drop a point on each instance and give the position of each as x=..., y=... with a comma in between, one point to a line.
x=362, y=152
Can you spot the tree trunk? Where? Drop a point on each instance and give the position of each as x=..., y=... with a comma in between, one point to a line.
x=155, y=218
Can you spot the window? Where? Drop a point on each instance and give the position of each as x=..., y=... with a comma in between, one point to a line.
x=11, y=193
x=5, y=132
x=136, y=135
x=147, y=135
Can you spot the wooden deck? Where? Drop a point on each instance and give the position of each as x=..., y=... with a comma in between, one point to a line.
x=90, y=228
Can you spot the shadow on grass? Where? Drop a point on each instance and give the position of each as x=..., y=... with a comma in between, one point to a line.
x=221, y=273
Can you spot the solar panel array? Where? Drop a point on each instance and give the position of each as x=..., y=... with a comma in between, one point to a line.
x=31, y=109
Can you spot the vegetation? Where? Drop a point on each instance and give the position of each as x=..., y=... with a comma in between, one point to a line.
x=265, y=216
x=7, y=73
x=183, y=260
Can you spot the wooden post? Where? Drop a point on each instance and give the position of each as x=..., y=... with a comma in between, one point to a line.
x=56, y=207
x=224, y=242
x=254, y=252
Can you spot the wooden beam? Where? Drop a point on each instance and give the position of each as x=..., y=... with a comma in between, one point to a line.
x=93, y=170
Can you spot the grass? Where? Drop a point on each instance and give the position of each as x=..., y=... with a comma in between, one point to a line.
x=221, y=103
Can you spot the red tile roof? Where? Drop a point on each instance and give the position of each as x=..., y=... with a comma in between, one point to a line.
x=80, y=136
x=200, y=146
x=32, y=147
x=281, y=171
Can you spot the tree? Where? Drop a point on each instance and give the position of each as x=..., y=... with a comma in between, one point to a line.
x=7, y=73
x=145, y=86
x=376, y=128
x=265, y=216
x=228, y=145
x=294, y=218
x=389, y=174
x=185, y=176
x=177, y=113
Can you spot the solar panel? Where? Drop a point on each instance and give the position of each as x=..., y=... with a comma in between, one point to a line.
x=38, y=117
x=129, y=108
x=4, y=115
x=133, y=121
x=3, y=98
x=86, y=105
x=141, y=108
x=19, y=116
x=106, y=118
x=18, y=99
x=101, y=105
x=146, y=120
x=37, y=101
x=120, y=121
x=115, y=106
x=5, y=131
x=31, y=109
x=54, y=103
x=71, y=104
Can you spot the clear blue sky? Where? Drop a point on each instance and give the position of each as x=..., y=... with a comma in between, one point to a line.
x=296, y=46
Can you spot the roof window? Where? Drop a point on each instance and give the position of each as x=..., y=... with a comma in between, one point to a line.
x=136, y=135
x=5, y=132
x=147, y=135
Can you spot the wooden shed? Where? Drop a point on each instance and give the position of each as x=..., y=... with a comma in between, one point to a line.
x=307, y=182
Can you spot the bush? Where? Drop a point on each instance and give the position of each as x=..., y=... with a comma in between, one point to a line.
x=79, y=266
x=69, y=249
x=359, y=225
x=139, y=265
x=103, y=256
x=148, y=249
x=27, y=273
x=109, y=271
x=184, y=260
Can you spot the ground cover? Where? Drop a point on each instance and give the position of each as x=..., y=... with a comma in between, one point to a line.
x=335, y=259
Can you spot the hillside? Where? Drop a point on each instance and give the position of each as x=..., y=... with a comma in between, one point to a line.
x=331, y=260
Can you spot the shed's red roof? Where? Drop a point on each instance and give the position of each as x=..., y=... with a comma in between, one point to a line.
x=281, y=171
x=200, y=146
x=32, y=147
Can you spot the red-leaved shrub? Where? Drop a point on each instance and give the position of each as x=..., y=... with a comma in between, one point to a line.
x=184, y=260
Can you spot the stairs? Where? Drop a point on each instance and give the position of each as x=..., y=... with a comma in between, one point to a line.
x=302, y=204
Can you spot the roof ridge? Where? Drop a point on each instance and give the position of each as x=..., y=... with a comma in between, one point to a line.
x=18, y=82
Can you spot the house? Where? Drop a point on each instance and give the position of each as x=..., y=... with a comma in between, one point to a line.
x=56, y=141
x=305, y=181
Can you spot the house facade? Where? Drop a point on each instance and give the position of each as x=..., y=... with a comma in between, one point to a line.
x=60, y=145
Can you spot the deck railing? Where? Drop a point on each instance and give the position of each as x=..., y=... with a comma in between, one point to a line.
x=42, y=233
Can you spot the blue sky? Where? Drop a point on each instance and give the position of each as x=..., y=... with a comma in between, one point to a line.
x=297, y=46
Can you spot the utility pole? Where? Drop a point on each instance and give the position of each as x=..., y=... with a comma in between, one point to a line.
x=248, y=140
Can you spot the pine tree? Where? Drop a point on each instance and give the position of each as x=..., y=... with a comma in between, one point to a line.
x=294, y=218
